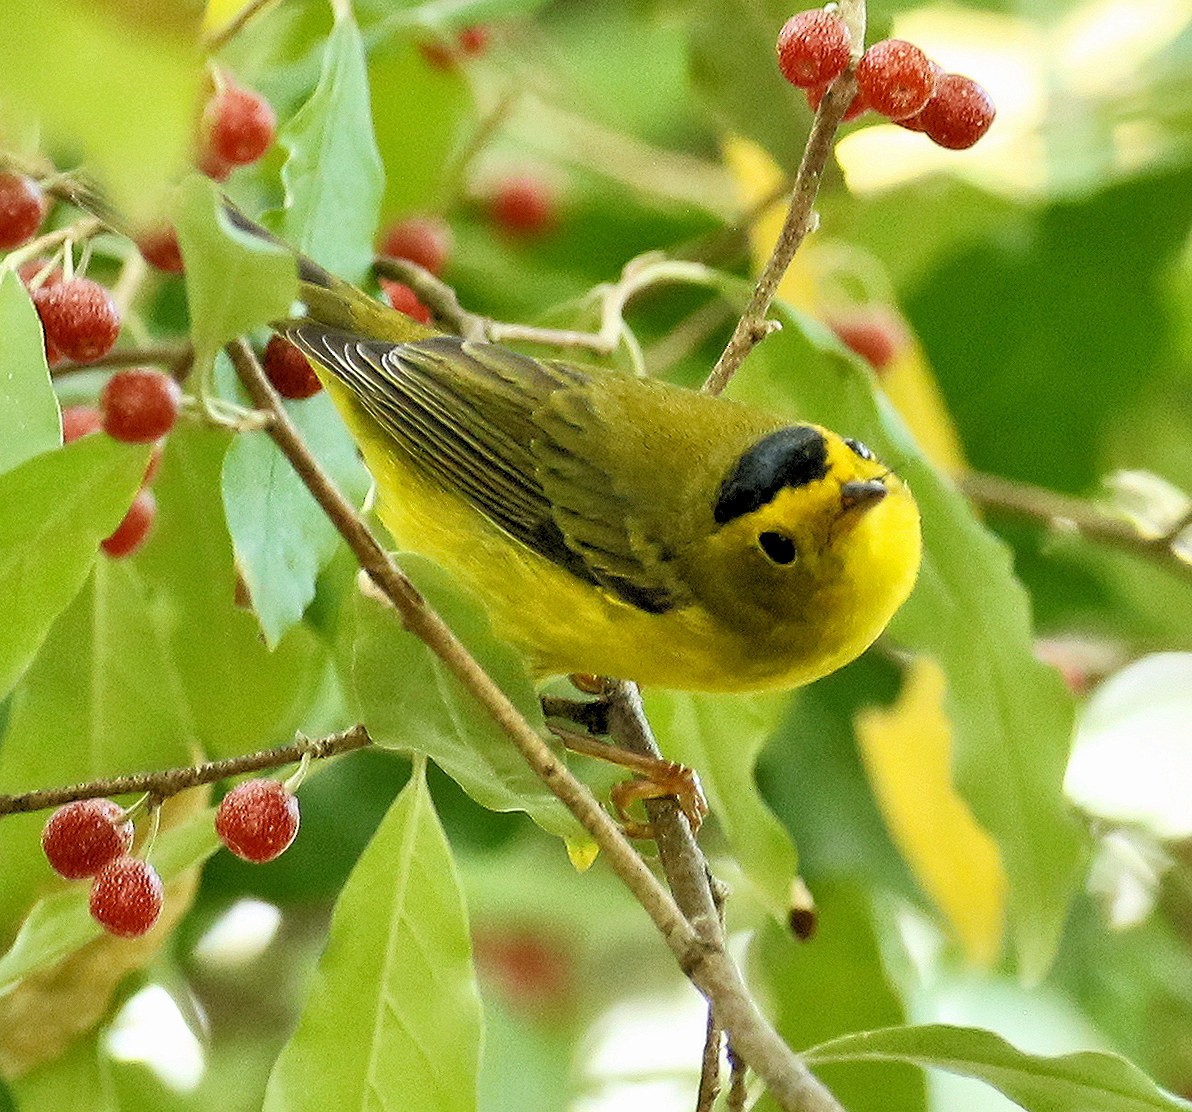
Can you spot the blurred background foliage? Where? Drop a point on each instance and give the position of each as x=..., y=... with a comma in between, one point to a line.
x=1044, y=282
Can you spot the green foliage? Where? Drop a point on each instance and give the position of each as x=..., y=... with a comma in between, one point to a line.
x=393, y=1002
x=29, y=420
x=1054, y=313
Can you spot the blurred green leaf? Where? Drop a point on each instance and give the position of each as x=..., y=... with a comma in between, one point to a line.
x=119, y=83
x=281, y=536
x=29, y=420
x=844, y=953
x=54, y=511
x=239, y=695
x=1065, y=1083
x=234, y=281
x=1012, y=714
x=78, y=1079
x=721, y=737
x=393, y=1003
x=100, y=699
x=410, y=701
x=60, y=924
x=334, y=177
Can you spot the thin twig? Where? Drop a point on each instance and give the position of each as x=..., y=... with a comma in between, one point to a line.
x=800, y=220
x=1086, y=518
x=170, y=782
x=172, y=356
x=709, y=1070
x=705, y=963
x=218, y=39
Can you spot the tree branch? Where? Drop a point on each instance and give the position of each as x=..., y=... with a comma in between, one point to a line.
x=172, y=781
x=1088, y=519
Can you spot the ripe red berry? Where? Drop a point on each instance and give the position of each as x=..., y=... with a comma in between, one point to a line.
x=80, y=838
x=257, y=820
x=896, y=78
x=473, y=41
x=856, y=107
x=80, y=318
x=126, y=897
x=813, y=48
x=159, y=246
x=79, y=420
x=209, y=163
x=134, y=528
x=957, y=115
x=289, y=370
x=523, y=206
x=238, y=125
x=139, y=405
x=424, y=240
x=22, y=209
x=873, y=332
x=405, y=300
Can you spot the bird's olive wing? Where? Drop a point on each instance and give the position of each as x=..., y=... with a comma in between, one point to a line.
x=470, y=417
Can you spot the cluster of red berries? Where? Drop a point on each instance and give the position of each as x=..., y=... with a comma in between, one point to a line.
x=92, y=838
x=894, y=78
x=137, y=406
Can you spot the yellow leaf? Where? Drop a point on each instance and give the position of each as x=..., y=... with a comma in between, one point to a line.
x=581, y=854
x=219, y=13
x=907, y=753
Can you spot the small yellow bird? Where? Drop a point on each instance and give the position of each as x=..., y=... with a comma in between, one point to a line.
x=614, y=524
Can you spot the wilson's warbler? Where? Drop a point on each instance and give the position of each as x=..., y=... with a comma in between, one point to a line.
x=613, y=524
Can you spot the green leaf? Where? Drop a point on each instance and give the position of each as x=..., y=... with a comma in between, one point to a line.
x=29, y=420
x=1085, y=1082
x=117, y=84
x=100, y=699
x=234, y=281
x=393, y=1002
x=54, y=511
x=410, y=701
x=334, y=177
x=721, y=736
x=841, y=969
x=240, y=695
x=1011, y=714
x=80, y=1078
x=281, y=536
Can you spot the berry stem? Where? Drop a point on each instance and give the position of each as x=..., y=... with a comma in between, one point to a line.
x=294, y=782
x=154, y=829
x=800, y=220
x=79, y=232
x=163, y=784
x=219, y=38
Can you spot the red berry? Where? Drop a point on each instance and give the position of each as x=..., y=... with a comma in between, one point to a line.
x=957, y=115
x=895, y=78
x=79, y=420
x=139, y=405
x=405, y=300
x=22, y=209
x=856, y=107
x=159, y=246
x=437, y=54
x=209, y=163
x=873, y=332
x=473, y=41
x=257, y=820
x=424, y=240
x=289, y=370
x=132, y=531
x=79, y=317
x=813, y=48
x=238, y=125
x=126, y=897
x=523, y=206
x=82, y=837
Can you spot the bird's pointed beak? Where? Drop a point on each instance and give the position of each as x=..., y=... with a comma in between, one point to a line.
x=859, y=496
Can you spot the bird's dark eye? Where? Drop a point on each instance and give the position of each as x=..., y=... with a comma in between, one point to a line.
x=778, y=547
x=860, y=449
